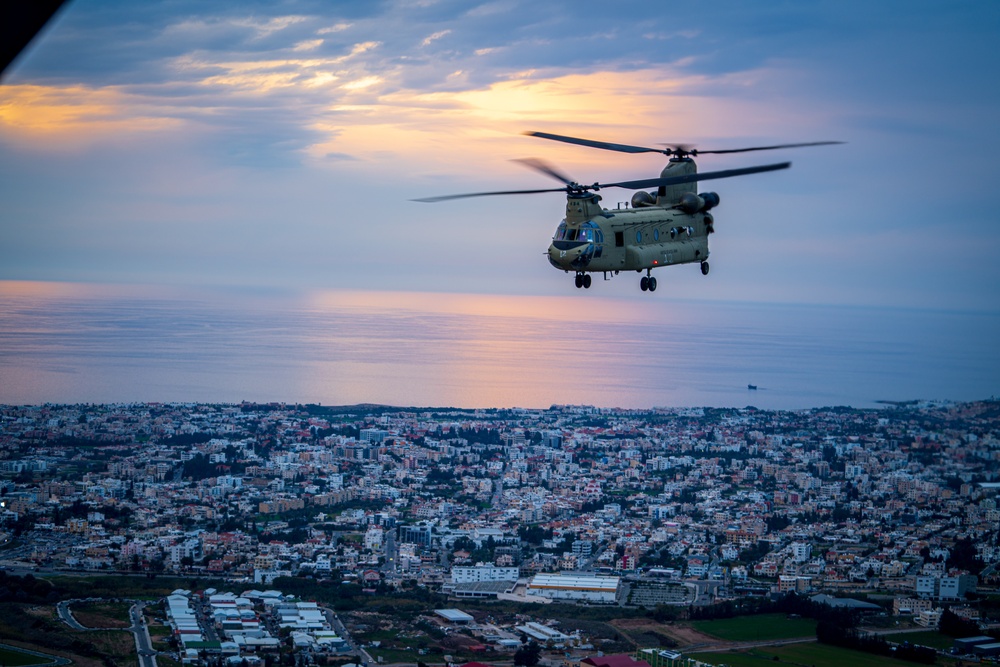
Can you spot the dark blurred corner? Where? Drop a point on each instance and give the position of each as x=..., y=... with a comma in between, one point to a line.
x=20, y=22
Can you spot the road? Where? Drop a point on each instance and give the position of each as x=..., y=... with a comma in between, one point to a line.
x=143, y=644
x=66, y=616
x=364, y=657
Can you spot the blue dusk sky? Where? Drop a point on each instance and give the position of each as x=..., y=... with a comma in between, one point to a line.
x=279, y=144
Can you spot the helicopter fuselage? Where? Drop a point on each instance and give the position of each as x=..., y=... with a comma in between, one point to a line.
x=592, y=239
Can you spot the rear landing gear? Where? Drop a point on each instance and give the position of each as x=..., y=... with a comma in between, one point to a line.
x=583, y=280
x=704, y=268
x=647, y=283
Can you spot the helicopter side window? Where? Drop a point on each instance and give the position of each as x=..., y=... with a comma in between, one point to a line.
x=638, y=237
x=619, y=239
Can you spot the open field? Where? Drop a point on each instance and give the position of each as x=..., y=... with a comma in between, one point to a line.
x=102, y=614
x=812, y=654
x=647, y=633
x=35, y=627
x=118, y=645
x=764, y=627
x=10, y=658
x=929, y=638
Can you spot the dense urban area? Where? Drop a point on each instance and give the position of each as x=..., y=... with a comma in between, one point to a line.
x=304, y=534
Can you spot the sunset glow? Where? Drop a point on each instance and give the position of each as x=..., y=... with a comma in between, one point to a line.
x=286, y=144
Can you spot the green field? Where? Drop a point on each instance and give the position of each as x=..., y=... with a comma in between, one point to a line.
x=12, y=658
x=813, y=654
x=763, y=627
x=929, y=638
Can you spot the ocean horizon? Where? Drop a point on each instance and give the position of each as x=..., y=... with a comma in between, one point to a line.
x=79, y=343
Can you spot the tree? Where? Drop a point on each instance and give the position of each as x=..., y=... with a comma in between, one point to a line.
x=963, y=555
x=528, y=655
x=954, y=625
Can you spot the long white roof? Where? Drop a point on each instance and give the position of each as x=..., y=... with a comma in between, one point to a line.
x=574, y=582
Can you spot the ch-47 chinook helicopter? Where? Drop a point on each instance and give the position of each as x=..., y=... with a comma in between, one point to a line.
x=664, y=227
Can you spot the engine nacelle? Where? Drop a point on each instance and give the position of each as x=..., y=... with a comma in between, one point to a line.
x=642, y=199
x=692, y=203
x=711, y=200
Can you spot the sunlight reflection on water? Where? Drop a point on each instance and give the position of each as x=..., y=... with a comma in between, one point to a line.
x=76, y=343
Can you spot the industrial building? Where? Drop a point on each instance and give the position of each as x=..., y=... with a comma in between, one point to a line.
x=569, y=586
x=967, y=645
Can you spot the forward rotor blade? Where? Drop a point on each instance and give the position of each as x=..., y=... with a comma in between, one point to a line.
x=621, y=148
x=767, y=148
x=545, y=168
x=669, y=149
x=691, y=178
x=629, y=185
x=431, y=200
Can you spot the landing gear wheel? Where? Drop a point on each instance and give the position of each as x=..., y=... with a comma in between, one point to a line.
x=579, y=281
x=586, y=281
x=644, y=284
x=652, y=284
x=704, y=268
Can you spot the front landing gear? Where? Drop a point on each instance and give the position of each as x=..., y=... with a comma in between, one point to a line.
x=704, y=268
x=583, y=280
x=647, y=283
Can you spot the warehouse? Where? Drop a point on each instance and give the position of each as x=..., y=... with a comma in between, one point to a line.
x=575, y=587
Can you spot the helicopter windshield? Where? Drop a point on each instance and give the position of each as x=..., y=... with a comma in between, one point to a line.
x=584, y=233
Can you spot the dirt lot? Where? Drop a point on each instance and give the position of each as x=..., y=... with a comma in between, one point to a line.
x=640, y=629
x=101, y=614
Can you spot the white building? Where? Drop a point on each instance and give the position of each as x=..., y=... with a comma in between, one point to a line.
x=801, y=551
x=373, y=538
x=483, y=572
x=575, y=587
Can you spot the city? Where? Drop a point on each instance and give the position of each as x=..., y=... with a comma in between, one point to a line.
x=671, y=509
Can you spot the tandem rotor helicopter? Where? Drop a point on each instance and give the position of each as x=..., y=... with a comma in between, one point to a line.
x=664, y=227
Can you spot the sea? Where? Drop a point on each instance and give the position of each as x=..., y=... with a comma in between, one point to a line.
x=79, y=343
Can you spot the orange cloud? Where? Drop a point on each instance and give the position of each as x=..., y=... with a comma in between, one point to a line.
x=629, y=106
x=60, y=117
x=645, y=107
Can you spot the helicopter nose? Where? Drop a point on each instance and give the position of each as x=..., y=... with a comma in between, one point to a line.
x=561, y=258
x=572, y=258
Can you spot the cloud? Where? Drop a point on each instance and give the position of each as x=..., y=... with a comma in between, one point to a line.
x=61, y=118
x=432, y=97
x=308, y=45
x=436, y=36
x=329, y=30
x=266, y=27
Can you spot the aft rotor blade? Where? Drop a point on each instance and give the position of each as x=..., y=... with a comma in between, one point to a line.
x=545, y=168
x=630, y=185
x=766, y=148
x=621, y=148
x=691, y=178
x=430, y=200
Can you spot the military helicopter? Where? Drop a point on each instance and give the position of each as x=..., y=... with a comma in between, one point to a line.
x=664, y=227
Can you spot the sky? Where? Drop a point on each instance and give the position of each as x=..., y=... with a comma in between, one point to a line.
x=279, y=145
